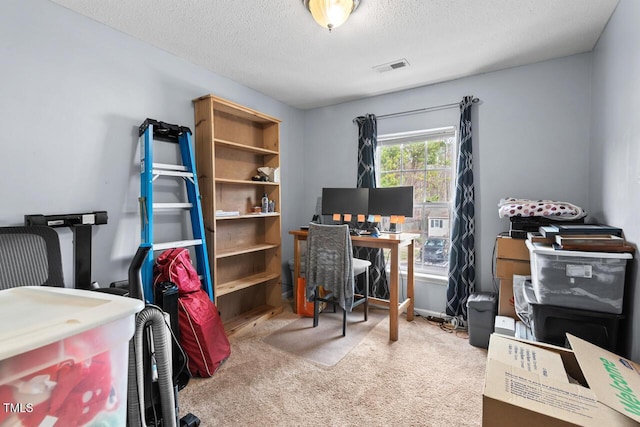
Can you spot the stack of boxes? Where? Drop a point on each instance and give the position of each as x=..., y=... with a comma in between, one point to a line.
x=512, y=258
x=579, y=291
x=572, y=295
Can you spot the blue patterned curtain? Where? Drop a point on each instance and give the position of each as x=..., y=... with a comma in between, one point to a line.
x=462, y=270
x=367, y=142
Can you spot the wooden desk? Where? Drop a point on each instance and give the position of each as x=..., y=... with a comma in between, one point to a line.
x=385, y=241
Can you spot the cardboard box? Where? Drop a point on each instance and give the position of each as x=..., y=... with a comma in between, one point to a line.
x=506, y=304
x=534, y=384
x=510, y=248
x=512, y=257
x=505, y=270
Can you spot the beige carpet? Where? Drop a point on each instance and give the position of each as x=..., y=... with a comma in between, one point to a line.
x=325, y=344
x=429, y=377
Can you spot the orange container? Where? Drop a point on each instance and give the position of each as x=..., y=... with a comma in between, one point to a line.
x=303, y=307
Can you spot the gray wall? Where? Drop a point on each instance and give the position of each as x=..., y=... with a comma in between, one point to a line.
x=531, y=140
x=73, y=92
x=614, y=168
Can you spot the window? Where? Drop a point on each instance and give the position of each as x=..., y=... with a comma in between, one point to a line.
x=426, y=161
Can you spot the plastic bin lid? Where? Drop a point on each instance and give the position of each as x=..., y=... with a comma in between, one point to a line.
x=34, y=316
x=538, y=248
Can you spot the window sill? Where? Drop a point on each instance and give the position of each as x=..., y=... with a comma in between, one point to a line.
x=432, y=279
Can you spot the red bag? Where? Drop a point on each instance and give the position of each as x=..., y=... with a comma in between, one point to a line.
x=202, y=334
x=174, y=265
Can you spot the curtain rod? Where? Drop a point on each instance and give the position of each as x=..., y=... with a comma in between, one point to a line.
x=424, y=110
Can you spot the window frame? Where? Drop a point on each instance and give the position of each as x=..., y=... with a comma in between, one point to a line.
x=420, y=268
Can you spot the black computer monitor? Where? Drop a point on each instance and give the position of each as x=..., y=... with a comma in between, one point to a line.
x=352, y=201
x=390, y=201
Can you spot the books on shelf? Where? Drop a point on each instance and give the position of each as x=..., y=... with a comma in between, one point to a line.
x=221, y=213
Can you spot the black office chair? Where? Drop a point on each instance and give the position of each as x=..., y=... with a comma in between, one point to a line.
x=30, y=256
x=330, y=264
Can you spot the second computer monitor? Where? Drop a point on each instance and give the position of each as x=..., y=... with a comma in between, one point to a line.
x=391, y=201
x=354, y=201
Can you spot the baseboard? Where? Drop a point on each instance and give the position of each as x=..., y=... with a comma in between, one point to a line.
x=431, y=313
x=288, y=295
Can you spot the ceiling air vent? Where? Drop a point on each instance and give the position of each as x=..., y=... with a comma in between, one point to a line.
x=400, y=63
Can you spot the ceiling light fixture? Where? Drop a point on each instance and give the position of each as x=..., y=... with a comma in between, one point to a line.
x=331, y=13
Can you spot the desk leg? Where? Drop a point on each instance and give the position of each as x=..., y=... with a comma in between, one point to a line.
x=296, y=271
x=410, y=277
x=393, y=293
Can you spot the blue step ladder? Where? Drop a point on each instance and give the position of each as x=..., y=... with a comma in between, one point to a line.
x=149, y=131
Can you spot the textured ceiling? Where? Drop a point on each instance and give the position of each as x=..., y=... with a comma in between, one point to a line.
x=275, y=47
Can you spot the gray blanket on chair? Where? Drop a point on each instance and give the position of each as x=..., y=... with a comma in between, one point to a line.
x=329, y=263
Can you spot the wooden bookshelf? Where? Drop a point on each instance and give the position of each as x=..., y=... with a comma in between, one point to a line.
x=232, y=142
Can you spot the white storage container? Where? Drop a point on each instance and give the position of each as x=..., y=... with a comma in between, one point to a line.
x=64, y=356
x=575, y=279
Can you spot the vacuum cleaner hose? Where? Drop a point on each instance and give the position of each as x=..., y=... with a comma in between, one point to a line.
x=154, y=317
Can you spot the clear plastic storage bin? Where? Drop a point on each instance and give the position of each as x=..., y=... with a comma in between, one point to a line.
x=575, y=279
x=64, y=356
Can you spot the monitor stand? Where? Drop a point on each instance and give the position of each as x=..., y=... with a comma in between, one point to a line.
x=393, y=229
